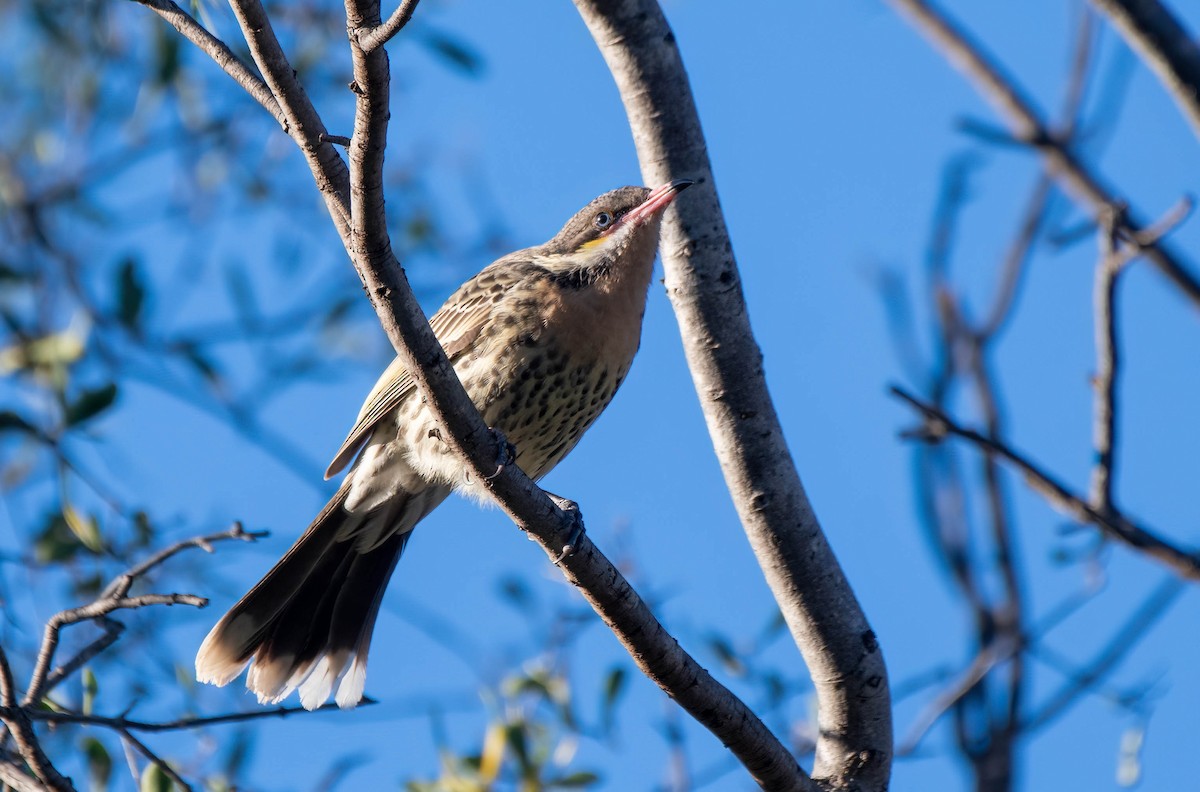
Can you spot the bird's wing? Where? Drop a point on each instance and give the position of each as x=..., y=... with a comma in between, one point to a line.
x=456, y=324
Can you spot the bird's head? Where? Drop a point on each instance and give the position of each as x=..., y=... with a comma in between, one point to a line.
x=619, y=223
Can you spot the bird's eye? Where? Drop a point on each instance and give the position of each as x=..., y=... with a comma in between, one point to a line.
x=603, y=220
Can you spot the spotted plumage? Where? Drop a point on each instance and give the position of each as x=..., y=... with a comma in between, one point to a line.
x=541, y=340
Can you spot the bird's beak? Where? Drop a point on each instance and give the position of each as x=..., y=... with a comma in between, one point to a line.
x=658, y=199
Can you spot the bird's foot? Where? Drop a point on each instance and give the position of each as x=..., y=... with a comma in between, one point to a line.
x=507, y=454
x=577, y=530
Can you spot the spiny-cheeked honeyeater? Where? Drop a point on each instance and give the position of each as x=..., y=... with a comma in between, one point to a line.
x=541, y=340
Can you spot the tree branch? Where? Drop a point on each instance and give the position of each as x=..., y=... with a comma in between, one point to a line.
x=1108, y=360
x=372, y=38
x=216, y=49
x=826, y=622
x=179, y=724
x=19, y=726
x=145, y=751
x=301, y=121
x=1171, y=52
x=1028, y=127
x=112, y=598
x=12, y=775
x=1125, y=639
x=1114, y=524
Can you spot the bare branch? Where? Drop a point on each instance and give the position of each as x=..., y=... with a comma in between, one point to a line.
x=93, y=610
x=302, y=123
x=179, y=724
x=842, y=654
x=1151, y=30
x=1027, y=125
x=216, y=49
x=19, y=726
x=112, y=632
x=1104, y=432
x=1114, y=524
x=985, y=661
x=14, y=776
x=120, y=585
x=1125, y=639
x=156, y=759
x=371, y=38
x=1016, y=260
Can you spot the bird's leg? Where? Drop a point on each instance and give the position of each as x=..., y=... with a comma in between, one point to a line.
x=507, y=455
x=577, y=530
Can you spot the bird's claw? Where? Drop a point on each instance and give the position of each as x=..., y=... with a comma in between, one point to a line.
x=508, y=454
x=577, y=530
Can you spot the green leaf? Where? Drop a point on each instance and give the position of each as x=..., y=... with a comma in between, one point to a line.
x=131, y=294
x=90, y=403
x=514, y=591
x=154, y=780
x=11, y=422
x=518, y=741
x=56, y=542
x=577, y=780
x=727, y=655
x=91, y=686
x=456, y=53
x=167, y=50
x=85, y=529
x=99, y=763
x=614, y=687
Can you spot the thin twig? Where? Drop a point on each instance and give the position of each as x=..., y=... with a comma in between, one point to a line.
x=1016, y=260
x=14, y=776
x=374, y=37
x=101, y=607
x=163, y=765
x=1151, y=30
x=120, y=585
x=999, y=89
x=939, y=424
x=194, y=32
x=112, y=631
x=1108, y=360
x=302, y=122
x=179, y=724
x=1123, y=641
x=21, y=729
x=987, y=659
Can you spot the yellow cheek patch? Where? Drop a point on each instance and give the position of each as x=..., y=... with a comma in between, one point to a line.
x=595, y=243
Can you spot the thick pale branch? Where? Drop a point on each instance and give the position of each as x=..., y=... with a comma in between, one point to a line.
x=1028, y=127
x=1151, y=30
x=855, y=745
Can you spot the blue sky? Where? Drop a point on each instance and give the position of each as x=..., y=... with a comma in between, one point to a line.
x=828, y=124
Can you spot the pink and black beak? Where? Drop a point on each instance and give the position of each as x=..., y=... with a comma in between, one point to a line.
x=658, y=199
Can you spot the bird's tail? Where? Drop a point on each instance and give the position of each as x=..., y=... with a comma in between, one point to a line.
x=307, y=624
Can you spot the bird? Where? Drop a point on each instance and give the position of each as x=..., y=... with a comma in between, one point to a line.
x=541, y=339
